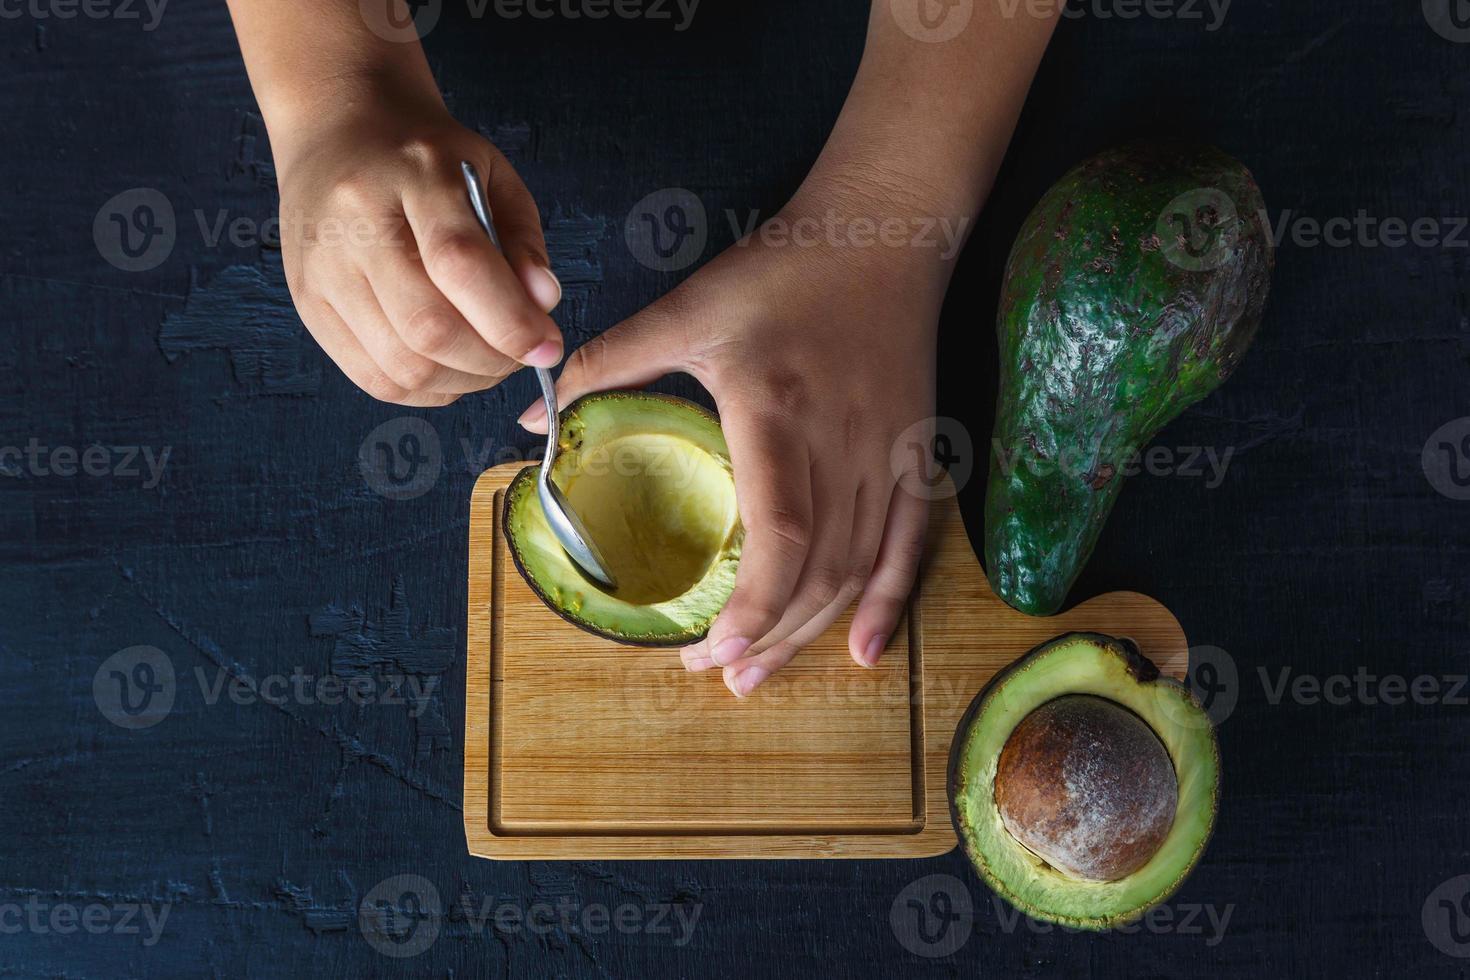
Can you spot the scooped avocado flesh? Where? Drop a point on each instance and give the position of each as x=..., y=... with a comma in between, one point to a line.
x=1100, y=666
x=650, y=477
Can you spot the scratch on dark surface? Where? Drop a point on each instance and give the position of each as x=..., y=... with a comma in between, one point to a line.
x=76, y=284
x=173, y=892
x=1439, y=108
x=685, y=888
x=469, y=902
x=573, y=243
x=202, y=793
x=363, y=645
x=54, y=758
x=1438, y=591
x=286, y=897
x=346, y=742
x=318, y=918
x=552, y=881
x=1267, y=426
x=217, y=887
x=339, y=785
x=247, y=313
x=1293, y=57
x=1271, y=426
x=248, y=161
x=515, y=139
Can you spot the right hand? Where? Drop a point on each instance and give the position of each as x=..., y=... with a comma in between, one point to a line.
x=391, y=272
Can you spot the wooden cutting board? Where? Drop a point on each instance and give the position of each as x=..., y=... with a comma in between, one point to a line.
x=580, y=748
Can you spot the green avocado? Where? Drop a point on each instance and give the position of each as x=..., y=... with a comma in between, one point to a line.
x=1132, y=291
x=650, y=477
x=1074, y=748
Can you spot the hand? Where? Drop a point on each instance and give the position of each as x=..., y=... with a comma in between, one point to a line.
x=391, y=272
x=820, y=354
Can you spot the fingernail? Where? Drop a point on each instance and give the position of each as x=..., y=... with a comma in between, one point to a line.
x=874, y=650
x=545, y=355
x=543, y=286
x=532, y=416
x=728, y=650
x=748, y=680
x=698, y=664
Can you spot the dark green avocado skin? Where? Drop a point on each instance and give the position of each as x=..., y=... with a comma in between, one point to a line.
x=1132, y=291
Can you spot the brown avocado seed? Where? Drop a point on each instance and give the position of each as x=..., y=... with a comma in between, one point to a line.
x=1085, y=785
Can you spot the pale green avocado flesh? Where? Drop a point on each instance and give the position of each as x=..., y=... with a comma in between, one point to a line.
x=650, y=477
x=1083, y=663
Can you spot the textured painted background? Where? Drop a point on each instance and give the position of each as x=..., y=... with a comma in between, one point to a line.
x=260, y=550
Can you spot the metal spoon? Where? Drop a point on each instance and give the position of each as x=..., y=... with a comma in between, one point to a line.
x=564, y=522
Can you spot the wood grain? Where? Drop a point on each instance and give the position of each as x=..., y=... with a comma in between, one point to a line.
x=577, y=747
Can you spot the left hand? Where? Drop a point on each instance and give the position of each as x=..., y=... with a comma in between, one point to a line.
x=818, y=346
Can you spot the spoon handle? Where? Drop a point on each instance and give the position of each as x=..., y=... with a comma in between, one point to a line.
x=478, y=202
x=553, y=422
x=548, y=386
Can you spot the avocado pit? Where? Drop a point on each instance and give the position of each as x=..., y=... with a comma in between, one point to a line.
x=1086, y=785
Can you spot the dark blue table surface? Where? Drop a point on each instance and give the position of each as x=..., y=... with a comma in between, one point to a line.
x=257, y=549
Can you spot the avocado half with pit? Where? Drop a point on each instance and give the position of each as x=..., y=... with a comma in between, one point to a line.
x=650, y=477
x=1083, y=784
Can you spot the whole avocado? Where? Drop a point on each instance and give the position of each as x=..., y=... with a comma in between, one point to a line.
x=1132, y=291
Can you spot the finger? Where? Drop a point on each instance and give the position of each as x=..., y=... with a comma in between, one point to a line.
x=888, y=590
x=745, y=676
x=636, y=352
x=426, y=322
x=336, y=339
x=518, y=224
x=824, y=578
x=466, y=267
x=867, y=534
x=773, y=492
x=352, y=297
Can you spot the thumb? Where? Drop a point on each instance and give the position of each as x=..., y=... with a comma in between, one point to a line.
x=518, y=225
x=636, y=352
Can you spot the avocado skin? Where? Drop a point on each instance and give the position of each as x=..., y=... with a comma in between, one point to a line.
x=1108, y=330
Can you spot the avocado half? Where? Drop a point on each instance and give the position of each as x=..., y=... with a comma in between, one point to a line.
x=650, y=477
x=1102, y=667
